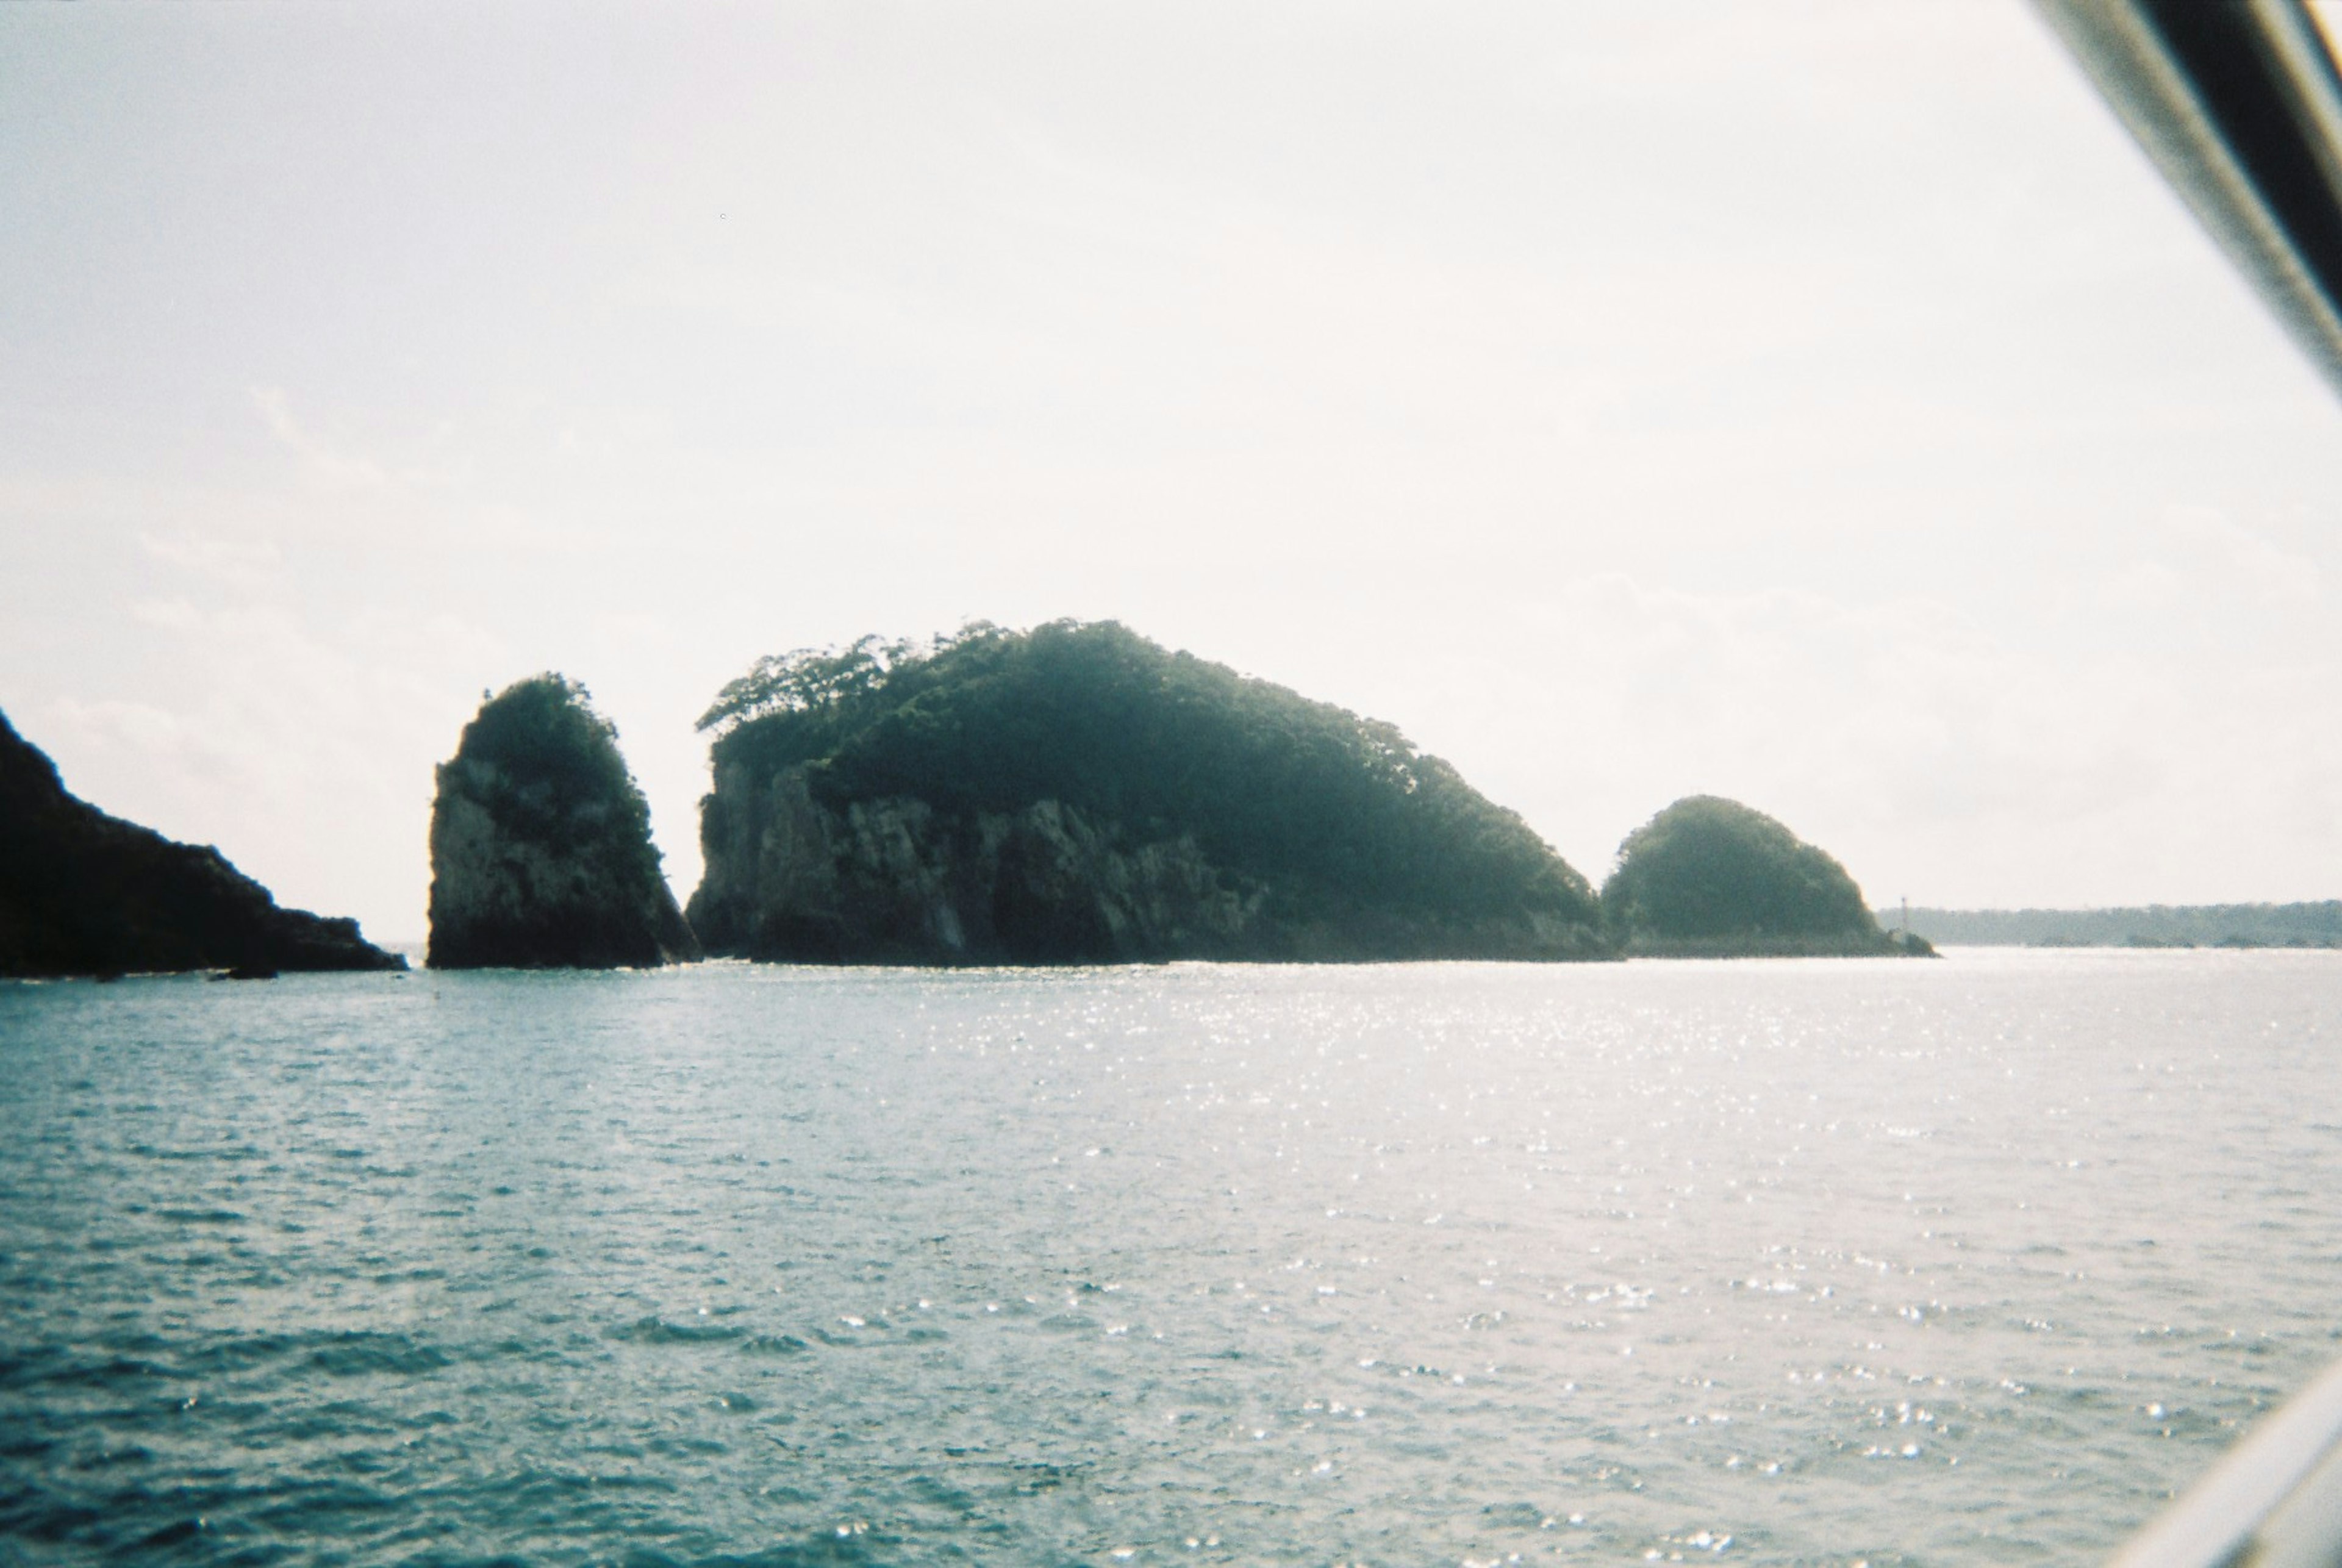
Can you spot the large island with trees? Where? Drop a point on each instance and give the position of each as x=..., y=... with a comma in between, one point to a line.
x=1077, y=794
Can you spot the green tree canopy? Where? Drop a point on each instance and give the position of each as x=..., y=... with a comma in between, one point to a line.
x=1708, y=868
x=1307, y=797
x=539, y=753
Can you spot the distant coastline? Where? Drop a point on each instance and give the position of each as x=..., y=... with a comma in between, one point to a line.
x=2316, y=924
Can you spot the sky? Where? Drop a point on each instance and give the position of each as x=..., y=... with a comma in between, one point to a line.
x=1813, y=401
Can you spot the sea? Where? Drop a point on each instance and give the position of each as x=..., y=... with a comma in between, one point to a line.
x=1824, y=1262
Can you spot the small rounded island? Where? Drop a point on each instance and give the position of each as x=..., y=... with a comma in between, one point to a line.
x=1709, y=877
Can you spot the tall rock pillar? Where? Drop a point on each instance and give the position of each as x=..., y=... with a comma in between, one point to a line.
x=541, y=854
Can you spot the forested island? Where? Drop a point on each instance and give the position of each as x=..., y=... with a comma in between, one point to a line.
x=85, y=893
x=1077, y=794
x=1709, y=877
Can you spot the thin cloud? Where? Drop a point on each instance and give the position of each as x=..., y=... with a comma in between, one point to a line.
x=337, y=469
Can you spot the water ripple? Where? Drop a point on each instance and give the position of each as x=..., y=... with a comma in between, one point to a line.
x=1964, y=1263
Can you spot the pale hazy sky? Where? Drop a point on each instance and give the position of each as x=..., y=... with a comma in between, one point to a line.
x=1822, y=404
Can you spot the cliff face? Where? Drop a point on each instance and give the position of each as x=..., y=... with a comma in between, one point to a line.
x=541, y=854
x=82, y=892
x=1077, y=794
x=895, y=881
x=1709, y=876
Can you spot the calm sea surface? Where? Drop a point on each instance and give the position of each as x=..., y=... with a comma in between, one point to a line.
x=1965, y=1263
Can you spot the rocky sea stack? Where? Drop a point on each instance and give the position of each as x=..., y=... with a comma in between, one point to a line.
x=1078, y=794
x=541, y=854
x=1710, y=878
x=85, y=893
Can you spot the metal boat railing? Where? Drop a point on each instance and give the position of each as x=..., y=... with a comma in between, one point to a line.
x=2273, y=1500
x=2239, y=104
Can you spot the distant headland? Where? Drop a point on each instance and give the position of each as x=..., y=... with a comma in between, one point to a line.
x=2317, y=925
x=85, y=893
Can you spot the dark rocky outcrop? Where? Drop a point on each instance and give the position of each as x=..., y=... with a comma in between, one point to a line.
x=85, y=893
x=1711, y=877
x=541, y=854
x=1079, y=794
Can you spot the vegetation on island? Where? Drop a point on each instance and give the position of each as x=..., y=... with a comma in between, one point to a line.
x=1709, y=876
x=1169, y=787
x=541, y=853
x=1072, y=793
x=85, y=893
